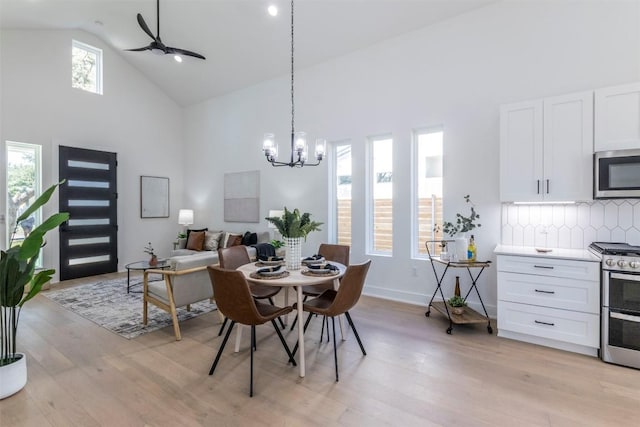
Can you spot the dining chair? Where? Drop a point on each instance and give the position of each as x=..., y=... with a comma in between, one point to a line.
x=233, y=297
x=330, y=252
x=333, y=303
x=232, y=258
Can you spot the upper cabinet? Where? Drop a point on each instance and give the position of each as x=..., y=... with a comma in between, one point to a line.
x=546, y=149
x=617, y=117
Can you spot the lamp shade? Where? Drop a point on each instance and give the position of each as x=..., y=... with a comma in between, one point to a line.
x=274, y=213
x=185, y=216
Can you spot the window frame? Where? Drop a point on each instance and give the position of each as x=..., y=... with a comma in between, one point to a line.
x=333, y=189
x=369, y=190
x=415, y=206
x=99, y=65
x=37, y=151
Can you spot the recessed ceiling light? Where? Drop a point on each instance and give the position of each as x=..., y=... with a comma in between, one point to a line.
x=273, y=10
x=178, y=58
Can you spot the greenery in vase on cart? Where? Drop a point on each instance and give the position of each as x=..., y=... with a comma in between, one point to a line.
x=462, y=224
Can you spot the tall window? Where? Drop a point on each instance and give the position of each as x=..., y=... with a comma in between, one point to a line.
x=380, y=195
x=24, y=176
x=427, y=199
x=86, y=67
x=342, y=193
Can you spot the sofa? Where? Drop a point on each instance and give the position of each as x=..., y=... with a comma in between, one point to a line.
x=205, y=243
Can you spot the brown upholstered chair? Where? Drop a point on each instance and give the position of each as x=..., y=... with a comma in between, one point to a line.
x=334, y=303
x=232, y=258
x=234, y=299
x=330, y=252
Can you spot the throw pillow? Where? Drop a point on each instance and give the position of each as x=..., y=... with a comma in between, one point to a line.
x=229, y=239
x=199, y=229
x=212, y=240
x=249, y=238
x=237, y=241
x=195, y=240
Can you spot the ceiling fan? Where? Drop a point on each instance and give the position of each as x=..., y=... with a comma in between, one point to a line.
x=157, y=46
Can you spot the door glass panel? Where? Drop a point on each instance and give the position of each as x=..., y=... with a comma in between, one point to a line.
x=89, y=184
x=87, y=165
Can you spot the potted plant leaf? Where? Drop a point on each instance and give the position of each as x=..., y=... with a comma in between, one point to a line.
x=294, y=227
x=17, y=274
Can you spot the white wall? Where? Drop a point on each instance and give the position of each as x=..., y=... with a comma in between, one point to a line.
x=456, y=74
x=133, y=118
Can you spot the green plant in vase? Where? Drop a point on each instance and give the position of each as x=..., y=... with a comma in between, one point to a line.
x=458, y=303
x=17, y=274
x=293, y=227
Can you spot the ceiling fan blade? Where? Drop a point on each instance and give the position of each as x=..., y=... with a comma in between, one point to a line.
x=178, y=51
x=145, y=27
x=140, y=49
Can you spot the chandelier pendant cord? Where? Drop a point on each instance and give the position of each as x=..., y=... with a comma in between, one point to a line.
x=292, y=91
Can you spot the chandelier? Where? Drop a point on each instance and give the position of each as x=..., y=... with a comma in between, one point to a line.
x=299, y=153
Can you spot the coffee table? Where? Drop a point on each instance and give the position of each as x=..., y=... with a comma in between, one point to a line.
x=144, y=266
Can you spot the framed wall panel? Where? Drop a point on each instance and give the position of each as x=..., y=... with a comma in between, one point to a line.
x=242, y=196
x=154, y=197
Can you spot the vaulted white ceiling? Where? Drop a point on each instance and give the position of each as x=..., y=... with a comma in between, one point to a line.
x=242, y=43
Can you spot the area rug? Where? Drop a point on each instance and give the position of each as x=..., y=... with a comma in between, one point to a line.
x=108, y=304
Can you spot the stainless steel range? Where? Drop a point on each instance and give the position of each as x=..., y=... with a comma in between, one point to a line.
x=620, y=338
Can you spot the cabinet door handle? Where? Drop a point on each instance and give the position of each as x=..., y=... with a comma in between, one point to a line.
x=545, y=292
x=544, y=323
x=538, y=190
x=548, y=267
x=547, y=186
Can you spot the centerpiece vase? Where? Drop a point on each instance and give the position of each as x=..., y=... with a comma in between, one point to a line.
x=293, y=257
x=462, y=243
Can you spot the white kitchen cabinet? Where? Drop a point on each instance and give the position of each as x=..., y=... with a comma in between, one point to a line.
x=617, y=118
x=550, y=301
x=546, y=149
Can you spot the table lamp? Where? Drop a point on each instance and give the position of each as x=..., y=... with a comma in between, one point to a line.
x=185, y=217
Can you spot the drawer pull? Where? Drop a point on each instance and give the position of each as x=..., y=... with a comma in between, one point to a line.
x=548, y=267
x=545, y=292
x=544, y=323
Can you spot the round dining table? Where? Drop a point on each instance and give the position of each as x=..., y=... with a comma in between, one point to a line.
x=296, y=279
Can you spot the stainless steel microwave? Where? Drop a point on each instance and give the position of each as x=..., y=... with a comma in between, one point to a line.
x=616, y=174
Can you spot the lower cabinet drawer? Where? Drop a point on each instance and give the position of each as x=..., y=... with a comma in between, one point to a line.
x=555, y=292
x=562, y=325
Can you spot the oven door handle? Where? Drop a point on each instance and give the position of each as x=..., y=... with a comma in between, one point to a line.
x=622, y=276
x=626, y=317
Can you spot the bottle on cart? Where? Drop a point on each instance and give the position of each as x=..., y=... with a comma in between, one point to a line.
x=471, y=249
x=456, y=291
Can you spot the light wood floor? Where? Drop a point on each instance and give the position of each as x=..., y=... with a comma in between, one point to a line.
x=414, y=374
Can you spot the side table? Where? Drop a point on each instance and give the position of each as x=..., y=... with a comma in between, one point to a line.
x=144, y=266
x=469, y=315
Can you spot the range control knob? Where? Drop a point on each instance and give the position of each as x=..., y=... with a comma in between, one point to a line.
x=633, y=264
x=610, y=262
x=622, y=263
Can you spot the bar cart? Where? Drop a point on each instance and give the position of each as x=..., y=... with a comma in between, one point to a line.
x=469, y=315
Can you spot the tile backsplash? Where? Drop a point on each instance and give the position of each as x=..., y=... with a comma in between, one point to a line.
x=571, y=226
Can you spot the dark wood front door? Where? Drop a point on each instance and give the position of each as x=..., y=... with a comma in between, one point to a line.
x=89, y=240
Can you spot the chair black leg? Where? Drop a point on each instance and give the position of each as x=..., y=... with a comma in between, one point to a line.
x=284, y=343
x=293, y=324
x=348, y=316
x=335, y=345
x=253, y=340
x=223, y=325
x=279, y=319
x=306, y=324
x=224, y=342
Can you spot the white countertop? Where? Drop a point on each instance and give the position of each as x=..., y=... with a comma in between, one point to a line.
x=577, y=254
